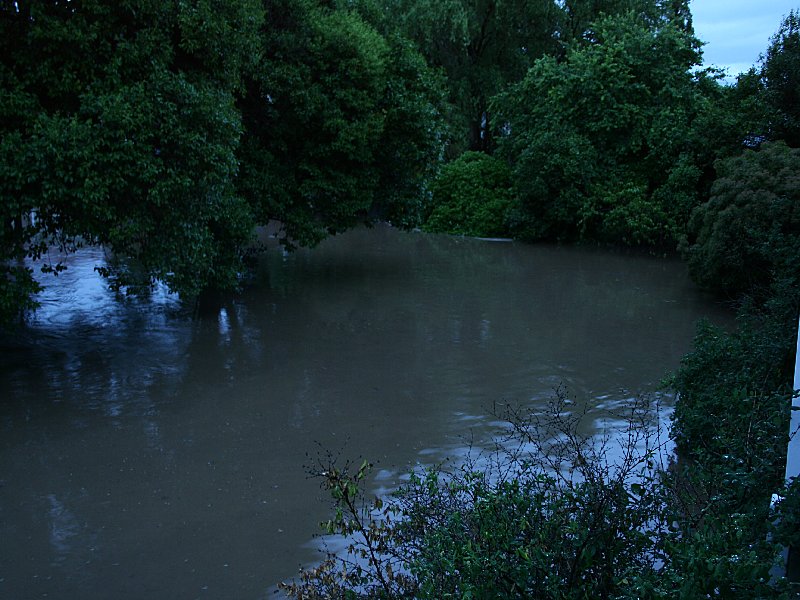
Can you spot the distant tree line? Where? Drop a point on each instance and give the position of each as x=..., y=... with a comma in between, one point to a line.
x=613, y=134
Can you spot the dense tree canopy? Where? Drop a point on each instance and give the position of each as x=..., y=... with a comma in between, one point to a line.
x=332, y=112
x=485, y=45
x=746, y=234
x=600, y=141
x=191, y=123
x=166, y=131
x=119, y=128
x=578, y=17
x=313, y=119
x=481, y=45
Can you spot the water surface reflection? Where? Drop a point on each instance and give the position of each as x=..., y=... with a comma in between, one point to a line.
x=150, y=452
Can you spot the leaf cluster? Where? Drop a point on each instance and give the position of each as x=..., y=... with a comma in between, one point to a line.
x=471, y=196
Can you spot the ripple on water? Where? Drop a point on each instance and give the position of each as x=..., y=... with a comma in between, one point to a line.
x=187, y=430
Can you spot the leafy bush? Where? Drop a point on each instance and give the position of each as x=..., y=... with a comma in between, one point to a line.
x=731, y=424
x=723, y=555
x=471, y=196
x=733, y=404
x=745, y=236
x=549, y=515
x=619, y=212
x=551, y=518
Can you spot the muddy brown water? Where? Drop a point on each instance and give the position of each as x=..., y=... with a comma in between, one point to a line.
x=150, y=451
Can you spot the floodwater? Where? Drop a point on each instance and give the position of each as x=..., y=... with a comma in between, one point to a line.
x=148, y=450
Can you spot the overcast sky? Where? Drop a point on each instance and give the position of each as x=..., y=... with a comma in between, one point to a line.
x=736, y=32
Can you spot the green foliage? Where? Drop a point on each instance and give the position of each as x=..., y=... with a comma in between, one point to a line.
x=484, y=46
x=516, y=540
x=731, y=419
x=134, y=149
x=725, y=555
x=481, y=46
x=193, y=123
x=724, y=124
x=335, y=115
x=780, y=74
x=731, y=424
x=313, y=120
x=599, y=141
x=620, y=211
x=471, y=197
x=734, y=389
x=409, y=152
x=745, y=236
x=547, y=516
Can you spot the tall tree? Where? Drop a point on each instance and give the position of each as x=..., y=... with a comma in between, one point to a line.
x=340, y=122
x=577, y=17
x=600, y=141
x=312, y=119
x=744, y=238
x=119, y=128
x=481, y=45
x=780, y=75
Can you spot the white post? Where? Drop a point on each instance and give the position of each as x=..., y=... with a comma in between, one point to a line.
x=793, y=453
x=792, y=555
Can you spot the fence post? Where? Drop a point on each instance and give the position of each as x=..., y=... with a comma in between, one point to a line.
x=793, y=460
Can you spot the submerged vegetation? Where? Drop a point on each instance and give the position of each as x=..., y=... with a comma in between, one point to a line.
x=193, y=123
x=567, y=518
x=575, y=519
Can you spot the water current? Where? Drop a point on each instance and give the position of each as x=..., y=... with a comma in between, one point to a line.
x=151, y=450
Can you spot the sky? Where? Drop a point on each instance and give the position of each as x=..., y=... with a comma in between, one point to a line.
x=736, y=32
